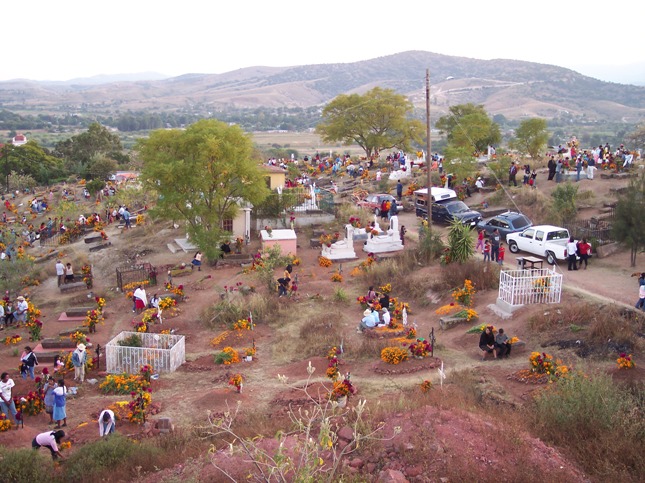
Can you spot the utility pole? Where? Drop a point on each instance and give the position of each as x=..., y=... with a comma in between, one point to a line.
x=428, y=150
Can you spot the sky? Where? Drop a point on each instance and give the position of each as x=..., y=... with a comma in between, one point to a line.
x=47, y=40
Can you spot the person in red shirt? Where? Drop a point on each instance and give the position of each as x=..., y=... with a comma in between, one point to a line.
x=502, y=251
x=584, y=251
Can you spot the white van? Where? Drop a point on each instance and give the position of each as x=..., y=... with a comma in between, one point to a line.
x=438, y=195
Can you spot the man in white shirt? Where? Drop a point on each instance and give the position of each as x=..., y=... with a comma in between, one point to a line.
x=572, y=248
x=7, y=406
x=2, y=318
x=60, y=272
x=386, y=316
x=20, y=314
x=367, y=322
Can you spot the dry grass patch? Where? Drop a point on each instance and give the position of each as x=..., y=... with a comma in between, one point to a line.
x=485, y=276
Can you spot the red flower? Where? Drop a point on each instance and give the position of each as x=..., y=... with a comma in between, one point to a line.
x=452, y=303
x=37, y=380
x=45, y=371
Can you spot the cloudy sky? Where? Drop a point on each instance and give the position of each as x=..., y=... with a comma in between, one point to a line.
x=47, y=40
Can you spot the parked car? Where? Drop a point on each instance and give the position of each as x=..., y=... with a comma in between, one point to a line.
x=373, y=202
x=509, y=222
x=447, y=211
x=543, y=240
x=438, y=195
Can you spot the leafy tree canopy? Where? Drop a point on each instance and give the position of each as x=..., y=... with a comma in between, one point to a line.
x=375, y=121
x=200, y=175
x=531, y=137
x=468, y=126
x=79, y=150
x=30, y=160
x=629, y=226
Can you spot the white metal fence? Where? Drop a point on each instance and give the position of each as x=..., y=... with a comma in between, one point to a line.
x=165, y=352
x=522, y=287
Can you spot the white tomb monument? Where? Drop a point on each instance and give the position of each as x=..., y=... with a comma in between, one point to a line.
x=342, y=249
x=389, y=242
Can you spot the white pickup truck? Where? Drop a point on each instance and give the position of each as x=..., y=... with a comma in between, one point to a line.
x=543, y=240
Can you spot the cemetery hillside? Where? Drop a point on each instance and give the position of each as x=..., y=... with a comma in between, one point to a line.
x=337, y=304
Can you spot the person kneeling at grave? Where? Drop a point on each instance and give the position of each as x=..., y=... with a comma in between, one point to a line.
x=368, y=321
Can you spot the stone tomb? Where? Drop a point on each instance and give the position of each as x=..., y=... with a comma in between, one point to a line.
x=388, y=242
x=342, y=249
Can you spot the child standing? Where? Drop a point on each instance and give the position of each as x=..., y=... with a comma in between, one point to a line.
x=480, y=241
x=500, y=257
x=486, y=251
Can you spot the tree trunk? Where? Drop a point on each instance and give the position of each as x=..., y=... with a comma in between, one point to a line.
x=633, y=254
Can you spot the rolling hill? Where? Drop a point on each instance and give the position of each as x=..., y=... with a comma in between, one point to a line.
x=515, y=89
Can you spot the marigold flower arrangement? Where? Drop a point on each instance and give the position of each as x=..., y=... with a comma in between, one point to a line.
x=394, y=355
x=385, y=289
x=328, y=238
x=250, y=351
x=65, y=445
x=146, y=372
x=179, y=291
x=541, y=285
x=411, y=333
x=236, y=380
x=420, y=348
x=324, y=262
x=86, y=273
x=150, y=316
x=141, y=399
x=100, y=303
x=342, y=388
x=140, y=220
x=513, y=340
x=134, y=285
x=31, y=404
x=34, y=327
x=33, y=312
x=140, y=326
x=543, y=363
x=104, y=235
x=337, y=277
x=625, y=361
x=332, y=369
x=243, y=324
x=79, y=338
x=5, y=423
x=122, y=384
x=167, y=303
x=355, y=222
x=227, y=356
x=426, y=386
x=464, y=296
x=92, y=319
x=362, y=301
x=12, y=339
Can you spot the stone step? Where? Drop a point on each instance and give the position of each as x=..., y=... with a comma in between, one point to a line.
x=172, y=247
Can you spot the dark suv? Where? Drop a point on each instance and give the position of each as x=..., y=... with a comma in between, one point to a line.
x=447, y=211
x=509, y=222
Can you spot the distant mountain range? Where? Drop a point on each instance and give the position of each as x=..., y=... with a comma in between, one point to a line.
x=515, y=89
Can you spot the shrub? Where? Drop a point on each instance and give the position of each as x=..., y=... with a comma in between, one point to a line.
x=26, y=465
x=340, y=295
x=115, y=458
x=484, y=276
x=131, y=341
x=600, y=423
x=564, y=207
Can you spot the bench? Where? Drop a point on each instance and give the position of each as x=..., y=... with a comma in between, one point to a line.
x=71, y=287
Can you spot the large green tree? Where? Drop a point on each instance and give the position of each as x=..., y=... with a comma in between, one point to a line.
x=201, y=175
x=79, y=150
x=379, y=119
x=30, y=160
x=531, y=137
x=468, y=126
x=629, y=225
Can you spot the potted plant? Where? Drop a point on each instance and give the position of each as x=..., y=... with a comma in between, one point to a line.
x=342, y=390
